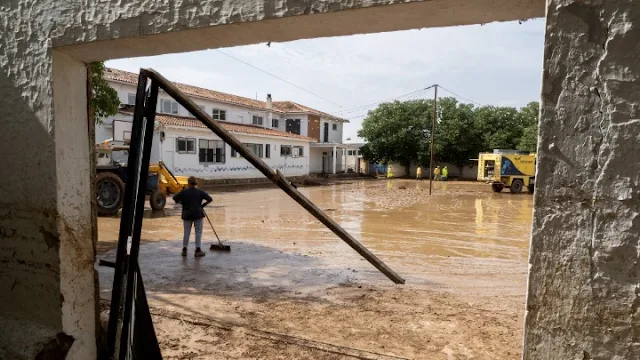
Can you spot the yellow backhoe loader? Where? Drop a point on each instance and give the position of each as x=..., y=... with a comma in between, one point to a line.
x=111, y=176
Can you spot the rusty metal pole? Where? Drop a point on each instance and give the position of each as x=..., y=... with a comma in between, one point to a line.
x=433, y=134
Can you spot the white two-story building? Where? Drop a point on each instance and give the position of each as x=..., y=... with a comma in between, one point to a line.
x=295, y=139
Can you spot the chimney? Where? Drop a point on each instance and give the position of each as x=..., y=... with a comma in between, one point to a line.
x=267, y=122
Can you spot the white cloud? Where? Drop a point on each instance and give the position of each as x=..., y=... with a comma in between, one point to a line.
x=497, y=64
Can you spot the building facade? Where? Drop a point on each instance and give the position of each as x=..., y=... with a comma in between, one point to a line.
x=293, y=138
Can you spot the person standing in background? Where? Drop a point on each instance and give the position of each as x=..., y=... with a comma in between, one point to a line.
x=436, y=173
x=419, y=173
x=191, y=200
x=445, y=173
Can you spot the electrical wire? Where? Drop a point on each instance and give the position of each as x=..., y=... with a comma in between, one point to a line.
x=460, y=96
x=362, y=107
x=279, y=78
x=412, y=96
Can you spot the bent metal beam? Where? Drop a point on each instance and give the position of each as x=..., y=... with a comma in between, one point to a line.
x=275, y=176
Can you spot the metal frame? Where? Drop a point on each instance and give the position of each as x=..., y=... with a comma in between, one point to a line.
x=125, y=304
x=129, y=313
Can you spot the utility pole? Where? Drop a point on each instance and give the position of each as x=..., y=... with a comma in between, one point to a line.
x=433, y=134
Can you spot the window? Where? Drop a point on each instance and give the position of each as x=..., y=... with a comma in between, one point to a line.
x=267, y=151
x=257, y=120
x=218, y=114
x=168, y=106
x=334, y=126
x=293, y=126
x=275, y=123
x=186, y=146
x=298, y=151
x=256, y=149
x=202, y=107
x=351, y=152
x=285, y=150
x=131, y=99
x=211, y=151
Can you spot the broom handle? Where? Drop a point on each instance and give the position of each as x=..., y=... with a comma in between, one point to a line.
x=212, y=228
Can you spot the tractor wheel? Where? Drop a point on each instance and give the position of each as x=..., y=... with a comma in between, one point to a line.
x=157, y=200
x=109, y=193
x=497, y=187
x=516, y=186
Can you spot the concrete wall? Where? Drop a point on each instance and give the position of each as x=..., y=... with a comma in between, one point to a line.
x=469, y=172
x=335, y=136
x=583, y=292
x=352, y=160
x=234, y=167
x=315, y=161
x=47, y=285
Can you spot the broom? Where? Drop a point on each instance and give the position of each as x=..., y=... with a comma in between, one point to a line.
x=219, y=246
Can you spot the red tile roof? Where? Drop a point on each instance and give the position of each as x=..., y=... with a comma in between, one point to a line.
x=293, y=107
x=229, y=126
x=278, y=106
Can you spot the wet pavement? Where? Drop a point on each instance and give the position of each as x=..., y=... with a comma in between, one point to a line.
x=462, y=249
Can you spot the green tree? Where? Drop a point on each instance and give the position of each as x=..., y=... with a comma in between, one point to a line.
x=499, y=127
x=397, y=132
x=400, y=131
x=104, y=100
x=457, y=139
x=529, y=119
x=529, y=139
x=528, y=115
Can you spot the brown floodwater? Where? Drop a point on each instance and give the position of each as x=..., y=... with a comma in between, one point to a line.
x=459, y=219
x=464, y=242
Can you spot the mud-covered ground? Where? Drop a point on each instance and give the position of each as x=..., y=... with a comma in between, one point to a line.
x=290, y=289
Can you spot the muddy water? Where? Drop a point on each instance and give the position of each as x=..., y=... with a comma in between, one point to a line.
x=397, y=218
x=463, y=252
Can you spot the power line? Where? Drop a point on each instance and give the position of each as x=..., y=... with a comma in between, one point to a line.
x=475, y=102
x=414, y=97
x=459, y=96
x=358, y=108
x=356, y=117
x=279, y=78
x=417, y=96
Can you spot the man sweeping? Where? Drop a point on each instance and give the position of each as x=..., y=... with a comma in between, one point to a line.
x=191, y=200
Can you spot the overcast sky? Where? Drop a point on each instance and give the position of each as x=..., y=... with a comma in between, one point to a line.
x=498, y=64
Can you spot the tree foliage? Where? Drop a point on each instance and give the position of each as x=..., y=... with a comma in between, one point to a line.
x=401, y=131
x=397, y=132
x=457, y=136
x=529, y=139
x=104, y=100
